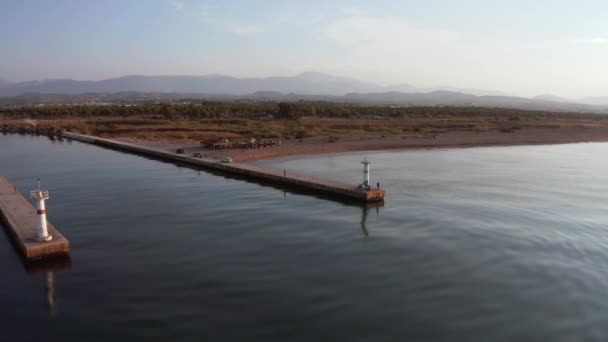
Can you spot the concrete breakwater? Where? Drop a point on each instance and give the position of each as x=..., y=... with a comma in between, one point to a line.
x=316, y=185
x=20, y=219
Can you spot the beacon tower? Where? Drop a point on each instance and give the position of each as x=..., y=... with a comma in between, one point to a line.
x=40, y=196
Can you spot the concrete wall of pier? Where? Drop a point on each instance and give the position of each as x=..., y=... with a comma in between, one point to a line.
x=316, y=185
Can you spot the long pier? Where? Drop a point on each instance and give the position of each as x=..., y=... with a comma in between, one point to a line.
x=316, y=185
x=20, y=219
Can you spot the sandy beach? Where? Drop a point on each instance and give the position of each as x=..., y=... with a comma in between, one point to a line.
x=457, y=139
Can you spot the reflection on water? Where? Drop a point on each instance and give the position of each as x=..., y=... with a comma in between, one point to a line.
x=50, y=292
x=364, y=209
x=364, y=221
x=50, y=264
x=47, y=268
x=495, y=244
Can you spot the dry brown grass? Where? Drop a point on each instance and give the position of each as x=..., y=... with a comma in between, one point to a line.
x=154, y=128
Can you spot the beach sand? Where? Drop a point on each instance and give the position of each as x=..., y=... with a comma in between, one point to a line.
x=320, y=145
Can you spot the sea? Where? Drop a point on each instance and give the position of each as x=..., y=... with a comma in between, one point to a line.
x=474, y=244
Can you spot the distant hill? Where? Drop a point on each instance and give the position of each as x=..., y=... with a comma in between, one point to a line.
x=436, y=98
x=590, y=100
x=597, y=100
x=447, y=98
x=306, y=83
x=477, y=92
x=549, y=97
x=309, y=86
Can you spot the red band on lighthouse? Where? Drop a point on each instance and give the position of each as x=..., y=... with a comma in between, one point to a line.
x=40, y=212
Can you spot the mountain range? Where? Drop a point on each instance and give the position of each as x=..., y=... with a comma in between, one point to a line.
x=305, y=86
x=308, y=83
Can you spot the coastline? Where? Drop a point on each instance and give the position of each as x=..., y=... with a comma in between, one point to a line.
x=458, y=139
x=329, y=188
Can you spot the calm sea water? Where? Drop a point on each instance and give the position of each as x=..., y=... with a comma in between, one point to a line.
x=484, y=244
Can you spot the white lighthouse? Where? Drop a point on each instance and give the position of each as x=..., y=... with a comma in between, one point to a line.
x=366, y=163
x=40, y=196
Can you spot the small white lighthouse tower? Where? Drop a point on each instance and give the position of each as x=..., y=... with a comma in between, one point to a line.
x=40, y=196
x=366, y=163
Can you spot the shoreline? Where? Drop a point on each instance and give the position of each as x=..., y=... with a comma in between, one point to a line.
x=414, y=136
x=328, y=188
x=319, y=146
x=411, y=149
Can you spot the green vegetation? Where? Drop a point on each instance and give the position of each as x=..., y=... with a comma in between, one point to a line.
x=298, y=120
x=280, y=111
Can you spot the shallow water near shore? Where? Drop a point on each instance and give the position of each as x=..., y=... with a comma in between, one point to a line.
x=487, y=244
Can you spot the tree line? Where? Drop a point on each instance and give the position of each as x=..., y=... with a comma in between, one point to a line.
x=279, y=111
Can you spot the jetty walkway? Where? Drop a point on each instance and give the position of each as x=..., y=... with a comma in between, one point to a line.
x=21, y=220
x=312, y=184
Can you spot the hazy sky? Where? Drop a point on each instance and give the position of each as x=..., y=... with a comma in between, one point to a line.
x=520, y=47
